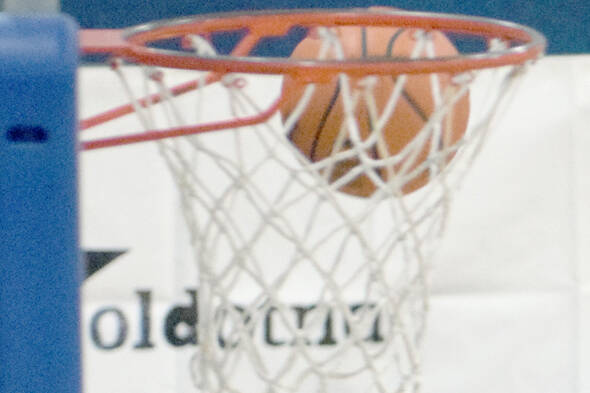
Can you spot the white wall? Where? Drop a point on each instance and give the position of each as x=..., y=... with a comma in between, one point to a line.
x=511, y=286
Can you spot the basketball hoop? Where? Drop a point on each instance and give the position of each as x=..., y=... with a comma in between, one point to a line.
x=520, y=45
x=326, y=239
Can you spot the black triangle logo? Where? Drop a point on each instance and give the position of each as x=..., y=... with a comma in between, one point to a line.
x=95, y=260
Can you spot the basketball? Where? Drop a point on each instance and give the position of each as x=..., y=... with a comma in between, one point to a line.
x=318, y=133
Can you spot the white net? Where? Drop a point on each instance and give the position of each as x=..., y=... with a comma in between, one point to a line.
x=303, y=285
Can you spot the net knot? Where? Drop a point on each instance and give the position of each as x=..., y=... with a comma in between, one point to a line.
x=155, y=74
x=234, y=81
x=115, y=63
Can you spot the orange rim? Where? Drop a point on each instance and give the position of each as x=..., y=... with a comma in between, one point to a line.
x=525, y=44
x=133, y=44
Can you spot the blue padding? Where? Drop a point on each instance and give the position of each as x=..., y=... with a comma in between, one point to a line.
x=39, y=258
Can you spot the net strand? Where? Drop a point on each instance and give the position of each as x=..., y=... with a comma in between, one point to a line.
x=278, y=245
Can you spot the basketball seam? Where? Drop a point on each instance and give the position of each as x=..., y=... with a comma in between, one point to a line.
x=407, y=96
x=365, y=54
x=414, y=105
x=324, y=120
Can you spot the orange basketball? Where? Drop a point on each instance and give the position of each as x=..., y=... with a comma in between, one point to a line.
x=317, y=130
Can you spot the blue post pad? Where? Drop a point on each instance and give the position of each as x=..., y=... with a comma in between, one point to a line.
x=39, y=259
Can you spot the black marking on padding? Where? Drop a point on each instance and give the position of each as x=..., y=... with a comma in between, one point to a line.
x=27, y=134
